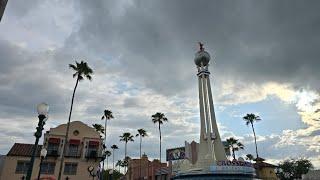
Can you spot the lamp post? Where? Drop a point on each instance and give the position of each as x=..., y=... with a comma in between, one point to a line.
x=42, y=109
x=91, y=171
x=111, y=174
x=43, y=154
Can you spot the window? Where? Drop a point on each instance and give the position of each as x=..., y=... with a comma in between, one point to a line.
x=53, y=146
x=53, y=149
x=92, y=151
x=73, y=150
x=48, y=167
x=70, y=168
x=22, y=167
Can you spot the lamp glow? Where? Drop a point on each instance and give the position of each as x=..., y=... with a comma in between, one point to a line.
x=43, y=152
x=43, y=109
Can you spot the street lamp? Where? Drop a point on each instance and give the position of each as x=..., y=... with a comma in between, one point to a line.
x=111, y=174
x=91, y=171
x=42, y=109
x=43, y=154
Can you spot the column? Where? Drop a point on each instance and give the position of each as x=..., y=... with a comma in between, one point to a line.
x=218, y=146
x=202, y=118
x=207, y=113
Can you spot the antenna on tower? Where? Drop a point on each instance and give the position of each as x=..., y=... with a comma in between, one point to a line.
x=201, y=46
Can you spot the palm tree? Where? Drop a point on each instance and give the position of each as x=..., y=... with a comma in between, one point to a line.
x=235, y=145
x=82, y=71
x=159, y=118
x=99, y=128
x=125, y=164
x=249, y=157
x=142, y=133
x=113, y=147
x=250, y=119
x=119, y=164
x=108, y=154
x=126, y=137
x=107, y=115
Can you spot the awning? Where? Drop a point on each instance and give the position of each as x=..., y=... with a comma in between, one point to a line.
x=54, y=140
x=94, y=143
x=74, y=141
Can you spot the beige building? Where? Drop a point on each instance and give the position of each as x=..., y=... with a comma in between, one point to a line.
x=150, y=170
x=265, y=170
x=83, y=149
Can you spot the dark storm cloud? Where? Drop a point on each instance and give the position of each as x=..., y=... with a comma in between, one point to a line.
x=26, y=81
x=253, y=41
x=20, y=8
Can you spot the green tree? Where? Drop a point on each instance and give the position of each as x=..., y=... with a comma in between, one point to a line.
x=107, y=115
x=249, y=157
x=108, y=154
x=82, y=71
x=113, y=147
x=115, y=174
x=142, y=133
x=293, y=168
x=119, y=164
x=99, y=128
x=250, y=119
x=235, y=145
x=159, y=118
x=126, y=137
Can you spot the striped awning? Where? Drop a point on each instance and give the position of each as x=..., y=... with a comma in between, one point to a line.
x=54, y=140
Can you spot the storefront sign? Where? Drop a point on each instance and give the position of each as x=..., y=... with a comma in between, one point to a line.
x=234, y=163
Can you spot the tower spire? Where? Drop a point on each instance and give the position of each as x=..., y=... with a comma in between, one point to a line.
x=210, y=147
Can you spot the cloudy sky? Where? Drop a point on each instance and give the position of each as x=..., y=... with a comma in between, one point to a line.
x=265, y=61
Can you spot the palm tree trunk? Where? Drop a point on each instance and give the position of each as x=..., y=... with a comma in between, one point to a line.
x=160, y=141
x=67, y=131
x=113, y=159
x=107, y=162
x=255, y=139
x=125, y=155
x=160, y=147
x=140, y=158
x=105, y=134
x=233, y=154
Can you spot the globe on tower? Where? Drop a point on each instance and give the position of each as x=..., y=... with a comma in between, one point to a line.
x=202, y=57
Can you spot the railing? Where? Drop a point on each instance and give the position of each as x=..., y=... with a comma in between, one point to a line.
x=73, y=152
x=53, y=153
x=93, y=154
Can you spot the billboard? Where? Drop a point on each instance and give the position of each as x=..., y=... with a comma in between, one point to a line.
x=176, y=154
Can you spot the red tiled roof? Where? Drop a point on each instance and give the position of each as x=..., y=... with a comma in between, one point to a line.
x=20, y=149
x=263, y=164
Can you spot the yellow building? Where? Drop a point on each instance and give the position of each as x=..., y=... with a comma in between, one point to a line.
x=83, y=149
x=265, y=170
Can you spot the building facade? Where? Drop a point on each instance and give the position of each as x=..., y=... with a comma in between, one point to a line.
x=83, y=149
x=265, y=170
x=150, y=170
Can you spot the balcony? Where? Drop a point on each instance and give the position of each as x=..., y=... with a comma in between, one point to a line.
x=53, y=153
x=73, y=152
x=93, y=154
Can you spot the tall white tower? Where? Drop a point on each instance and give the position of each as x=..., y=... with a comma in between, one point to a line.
x=210, y=147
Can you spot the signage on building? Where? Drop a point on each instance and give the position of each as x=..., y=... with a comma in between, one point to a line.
x=176, y=154
x=234, y=163
x=233, y=167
